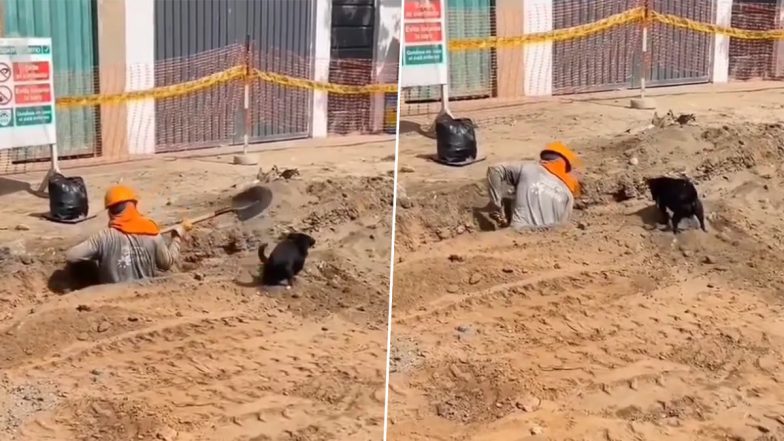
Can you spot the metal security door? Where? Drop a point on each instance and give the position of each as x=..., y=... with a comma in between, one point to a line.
x=754, y=59
x=351, y=62
x=72, y=27
x=603, y=61
x=470, y=72
x=195, y=38
x=681, y=56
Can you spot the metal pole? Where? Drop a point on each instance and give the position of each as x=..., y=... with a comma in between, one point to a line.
x=246, y=104
x=445, y=98
x=54, y=167
x=244, y=159
x=646, y=62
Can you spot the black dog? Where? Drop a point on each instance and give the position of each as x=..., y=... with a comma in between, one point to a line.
x=680, y=196
x=286, y=260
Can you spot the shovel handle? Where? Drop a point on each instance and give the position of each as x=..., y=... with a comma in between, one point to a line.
x=201, y=218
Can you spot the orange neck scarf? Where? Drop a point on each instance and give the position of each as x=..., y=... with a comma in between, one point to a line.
x=130, y=221
x=558, y=168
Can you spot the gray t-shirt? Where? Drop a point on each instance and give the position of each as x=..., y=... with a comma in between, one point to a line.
x=125, y=257
x=541, y=199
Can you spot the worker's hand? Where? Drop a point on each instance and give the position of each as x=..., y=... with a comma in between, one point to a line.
x=179, y=231
x=498, y=217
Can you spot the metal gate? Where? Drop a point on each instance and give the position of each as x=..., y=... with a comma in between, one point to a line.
x=753, y=58
x=470, y=72
x=195, y=38
x=351, y=62
x=604, y=61
x=71, y=24
x=681, y=56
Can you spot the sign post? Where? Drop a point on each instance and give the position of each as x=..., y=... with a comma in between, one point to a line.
x=27, y=103
x=425, y=48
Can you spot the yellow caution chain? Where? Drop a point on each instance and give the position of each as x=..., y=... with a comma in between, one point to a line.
x=572, y=33
x=709, y=28
x=342, y=89
x=237, y=73
x=161, y=92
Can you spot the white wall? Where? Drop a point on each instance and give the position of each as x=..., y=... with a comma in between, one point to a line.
x=778, y=46
x=322, y=35
x=721, y=44
x=140, y=73
x=386, y=54
x=126, y=46
x=538, y=57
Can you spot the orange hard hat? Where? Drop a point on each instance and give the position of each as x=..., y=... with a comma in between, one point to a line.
x=560, y=149
x=117, y=194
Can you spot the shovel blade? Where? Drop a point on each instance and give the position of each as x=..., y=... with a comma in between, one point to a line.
x=251, y=202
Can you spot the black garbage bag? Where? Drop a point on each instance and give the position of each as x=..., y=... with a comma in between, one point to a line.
x=455, y=138
x=67, y=198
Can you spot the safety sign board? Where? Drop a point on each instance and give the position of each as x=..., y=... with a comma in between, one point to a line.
x=424, y=44
x=27, y=101
x=35, y=71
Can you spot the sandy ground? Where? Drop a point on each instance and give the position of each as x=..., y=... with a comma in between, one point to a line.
x=204, y=353
x=610, y=328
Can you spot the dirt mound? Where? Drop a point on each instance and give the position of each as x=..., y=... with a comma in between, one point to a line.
x=338, y=202
x=204, y=350
x=438, y=212
x=612, y=324
x=617, y=170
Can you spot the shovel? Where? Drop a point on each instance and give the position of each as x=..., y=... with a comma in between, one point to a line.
x=246, y=205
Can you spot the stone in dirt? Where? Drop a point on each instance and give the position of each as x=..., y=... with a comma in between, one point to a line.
x=475, y=278
x=456, y=258
x=405, y=202
x=452, y=289
x=166, y=433
x=528, y=403
x=103, y=326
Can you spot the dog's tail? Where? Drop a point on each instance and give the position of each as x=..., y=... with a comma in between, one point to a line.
x=262, y=257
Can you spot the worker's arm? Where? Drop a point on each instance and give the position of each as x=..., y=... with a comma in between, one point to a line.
x=500, y=176
x=508, y=173
x=166, y=255
x=90, y=249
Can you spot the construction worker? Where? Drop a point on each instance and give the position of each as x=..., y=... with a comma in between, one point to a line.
x=544, y=189
x=131, y=248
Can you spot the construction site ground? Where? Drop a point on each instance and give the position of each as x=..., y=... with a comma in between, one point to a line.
x=204, y=353
x=610, y=328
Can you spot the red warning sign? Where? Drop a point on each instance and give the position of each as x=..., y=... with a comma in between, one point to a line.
x=31, y=71
x=420, y=9
x=33, y=93
x=423, y=32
